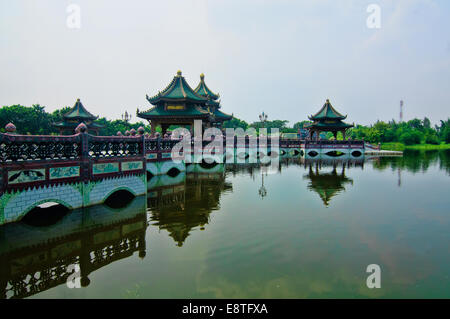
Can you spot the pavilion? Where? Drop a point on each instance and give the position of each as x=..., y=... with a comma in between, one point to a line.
x=327, y=120
x=179, y=104
x=213, y=104
x=75, y=116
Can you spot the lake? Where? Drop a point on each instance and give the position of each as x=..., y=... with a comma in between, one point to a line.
x=307, y=230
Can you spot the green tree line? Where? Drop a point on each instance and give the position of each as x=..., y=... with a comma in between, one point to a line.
x=35, y=120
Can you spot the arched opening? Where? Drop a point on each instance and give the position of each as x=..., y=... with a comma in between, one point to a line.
x=204, y=164
x=302, y=153
x=282, y=152
x=335, y=153
x=46, y=214
x=149, y=175
x=173, y=172
x=356, y=153
x=313, y=153
x=296, y=152
x=119, y=199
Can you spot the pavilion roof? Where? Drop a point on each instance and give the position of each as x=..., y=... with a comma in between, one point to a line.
x=177, y=90
x=158, y=112
x=78, y=111
x=203, y=90
x=219, y=115
x=327, y=112
x=75, y=124
x=329, y=125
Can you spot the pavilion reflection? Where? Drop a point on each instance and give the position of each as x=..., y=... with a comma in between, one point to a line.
x=186, y=205
x=35, y=259
x=328, y=184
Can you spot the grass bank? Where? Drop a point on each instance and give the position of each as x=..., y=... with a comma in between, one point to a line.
x=424, y=147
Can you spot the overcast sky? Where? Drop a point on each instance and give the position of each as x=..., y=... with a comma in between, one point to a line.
x=281, y=57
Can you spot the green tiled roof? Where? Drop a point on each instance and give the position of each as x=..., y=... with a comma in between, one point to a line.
x=327, y=112
x=159, y=111
x=70, y=124
x=219, y=115
x=177, y=90
x=203, y=90
x=79, y=112
x=335, y=125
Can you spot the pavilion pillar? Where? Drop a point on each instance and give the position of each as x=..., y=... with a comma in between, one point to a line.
x=153, y=125
x=335, y=133
x=343, y=135
x=164, y=128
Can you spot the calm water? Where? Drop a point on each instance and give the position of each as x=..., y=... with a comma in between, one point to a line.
x=309, y=232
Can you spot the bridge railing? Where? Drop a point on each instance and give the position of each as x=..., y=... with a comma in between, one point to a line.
x=25, y=148
x=115, y=146
x=38, y=160
x=334, y=144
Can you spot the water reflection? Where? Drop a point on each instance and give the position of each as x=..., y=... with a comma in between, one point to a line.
x=180, y=206
x=329, y=184
x=414, y=161
x=303, y=245
x=35, y=259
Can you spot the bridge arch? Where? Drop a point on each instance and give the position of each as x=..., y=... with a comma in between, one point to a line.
x=20, y=204
x=48, y=200
x=103, y=189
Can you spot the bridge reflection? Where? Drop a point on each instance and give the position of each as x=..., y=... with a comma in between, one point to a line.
x=35, y=259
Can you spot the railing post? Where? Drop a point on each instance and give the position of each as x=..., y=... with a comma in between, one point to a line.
x=84, y=158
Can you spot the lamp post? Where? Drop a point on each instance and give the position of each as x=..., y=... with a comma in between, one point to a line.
x=263, y=118
x=126, y=117
x=262, y=190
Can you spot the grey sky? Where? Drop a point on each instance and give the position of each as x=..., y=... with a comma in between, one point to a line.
x=282, y=57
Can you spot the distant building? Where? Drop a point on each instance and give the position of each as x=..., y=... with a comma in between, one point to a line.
x=77, y=115
x=327, y=120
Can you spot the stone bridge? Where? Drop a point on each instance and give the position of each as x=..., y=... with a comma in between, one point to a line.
x=82, y=170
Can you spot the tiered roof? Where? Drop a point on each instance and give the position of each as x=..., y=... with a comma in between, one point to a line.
x=199, y=103
x=177, y=90
x=76, y=115
x=79, y=112
x=327, y=112
x=203, y=90
x=328, y=119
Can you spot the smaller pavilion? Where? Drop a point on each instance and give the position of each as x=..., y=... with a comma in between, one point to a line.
x=213, y=104
x=327, y=120
x=77, y=115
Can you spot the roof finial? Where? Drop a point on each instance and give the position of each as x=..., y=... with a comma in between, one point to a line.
x=202, y=76
x=179, y=72
x=328, y=100
x=78, y=100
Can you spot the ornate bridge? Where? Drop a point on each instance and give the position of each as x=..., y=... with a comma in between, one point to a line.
x=84, y=170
